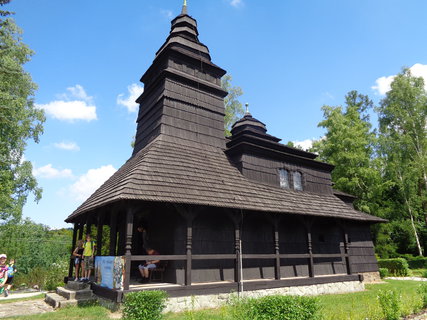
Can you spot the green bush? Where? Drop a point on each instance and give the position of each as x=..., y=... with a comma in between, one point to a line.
x=417, y=262
x=383, y=272
x=391, y=304
x=422, y=290
x=147, y=305
x=277, y=308
x=46, y=278
x=396, y=266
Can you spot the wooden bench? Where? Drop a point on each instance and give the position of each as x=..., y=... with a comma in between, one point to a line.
x=157, y=274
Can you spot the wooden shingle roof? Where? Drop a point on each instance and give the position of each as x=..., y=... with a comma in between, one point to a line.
x=178, y=171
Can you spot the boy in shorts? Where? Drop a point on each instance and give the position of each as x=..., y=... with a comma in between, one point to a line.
x=89, y=248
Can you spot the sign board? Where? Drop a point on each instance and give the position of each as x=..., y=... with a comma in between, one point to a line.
x=109, y=271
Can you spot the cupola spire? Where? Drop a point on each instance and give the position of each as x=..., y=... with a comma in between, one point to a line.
x=184, y=8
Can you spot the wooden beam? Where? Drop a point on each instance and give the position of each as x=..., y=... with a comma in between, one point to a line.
x=128, y=247
x=113, y=233
x=73, y=245
x=308, y=224
x=99, y=234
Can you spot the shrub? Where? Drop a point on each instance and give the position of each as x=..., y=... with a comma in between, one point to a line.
x=390, y=302
x=147, y=305
x=417, y=262
x=277, y=308
x=422, y=290
x=396, y=267
x=46, y=278
x=383, y=272
x=424, y=275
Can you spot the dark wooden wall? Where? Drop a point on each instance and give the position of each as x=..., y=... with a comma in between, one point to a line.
x=361, y=248
x=262, y=169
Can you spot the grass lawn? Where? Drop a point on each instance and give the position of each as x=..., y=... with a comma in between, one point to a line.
x=70, y=313
x=351, y=306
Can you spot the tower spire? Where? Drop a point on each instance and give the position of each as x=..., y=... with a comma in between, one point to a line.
x=184, y=7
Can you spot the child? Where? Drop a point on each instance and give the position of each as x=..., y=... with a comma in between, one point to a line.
x=3, y=272
x=11, y=270
x=78, y=262
x=88, y=253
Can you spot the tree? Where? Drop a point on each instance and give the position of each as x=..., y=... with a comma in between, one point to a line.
x=233, y=107
x=19, y=121
x=349, y=144
x=403, y=146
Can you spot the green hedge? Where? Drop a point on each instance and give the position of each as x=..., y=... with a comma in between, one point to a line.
x=396, y=266
x=417, y=262
x=147, y=305
x=278, y=308
x=383, y=272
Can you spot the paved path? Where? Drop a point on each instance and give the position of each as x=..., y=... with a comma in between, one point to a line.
x=27, y=307
x=407, y=278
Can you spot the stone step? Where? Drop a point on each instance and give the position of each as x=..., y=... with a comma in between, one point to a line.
x=57, y=301
x=74, y=294
x=54, y=299
x=77, y=285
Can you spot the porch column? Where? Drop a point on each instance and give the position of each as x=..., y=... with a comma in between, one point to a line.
x=347, y=251
x=99, y=234
x=81, y=226
x=122, y=240
x=189, y=247
x=113, y=233
x=308, y=224
x=237, y=250
x=73, y=246
x=277, y=249
x=128, y=247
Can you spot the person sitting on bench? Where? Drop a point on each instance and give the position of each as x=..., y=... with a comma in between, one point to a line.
x=148, y=265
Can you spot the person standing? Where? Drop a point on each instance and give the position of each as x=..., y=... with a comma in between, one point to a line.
x=11, y=270
x=78, y=261
x=89, y=248
x=3, y=272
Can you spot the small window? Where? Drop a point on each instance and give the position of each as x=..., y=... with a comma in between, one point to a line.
x=297, y=177
x=284, y=178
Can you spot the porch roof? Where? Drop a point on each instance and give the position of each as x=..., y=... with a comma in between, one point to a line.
x=174, y=170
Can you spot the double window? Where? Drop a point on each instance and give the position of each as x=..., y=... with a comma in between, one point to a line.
x=290, y=179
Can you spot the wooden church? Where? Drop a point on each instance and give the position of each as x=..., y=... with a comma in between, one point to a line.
x=221, y=212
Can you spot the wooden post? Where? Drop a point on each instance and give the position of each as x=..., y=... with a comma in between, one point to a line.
x=310, y=249
x=189, y=246
x=81, y=226
x=347, y=252
x=99, y=235
x=277, y=249
x=237, y=250
x=113, y=233
x=122, y=239
x=73, y=245
x=128, y=247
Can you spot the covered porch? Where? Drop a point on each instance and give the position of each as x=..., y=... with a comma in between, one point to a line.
x=218, y=250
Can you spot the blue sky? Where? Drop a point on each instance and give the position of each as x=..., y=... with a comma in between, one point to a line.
x=289, y=57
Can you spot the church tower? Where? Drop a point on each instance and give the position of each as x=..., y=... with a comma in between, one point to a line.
x=182, y=95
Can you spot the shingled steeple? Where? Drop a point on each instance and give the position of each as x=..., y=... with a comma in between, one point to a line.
x=182, y=93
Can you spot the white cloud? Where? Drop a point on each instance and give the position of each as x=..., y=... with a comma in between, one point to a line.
x=74, y=105
x=383, y=84
x=71, y=146
x=77, y=92
x=90, y=181
x=236, y=3
x=49, y=172
x=305, y=144
x=134, y=91
x=167, y=13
